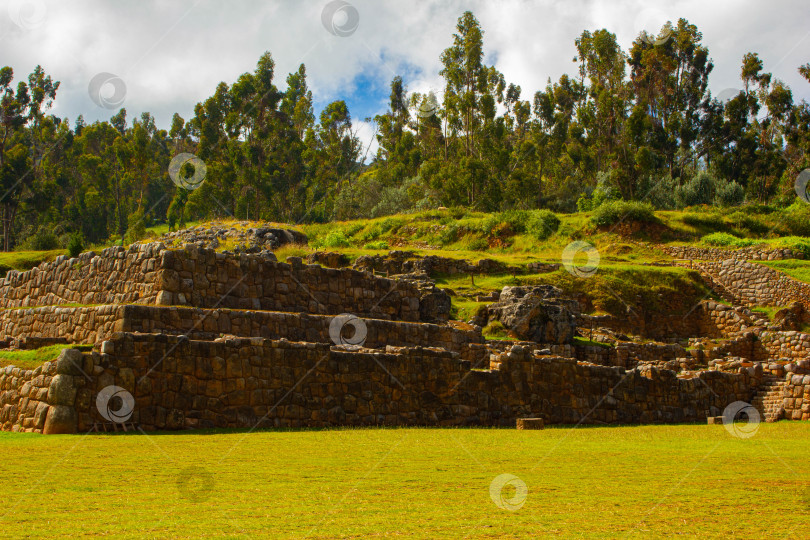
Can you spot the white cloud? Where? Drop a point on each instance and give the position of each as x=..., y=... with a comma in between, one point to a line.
x=173, y=54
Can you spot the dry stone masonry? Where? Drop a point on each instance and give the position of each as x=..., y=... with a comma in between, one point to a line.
x=199, y=338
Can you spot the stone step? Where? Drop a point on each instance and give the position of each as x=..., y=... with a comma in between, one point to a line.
x=768, y=399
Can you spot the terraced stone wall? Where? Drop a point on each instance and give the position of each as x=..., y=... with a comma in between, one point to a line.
x=115, y=276
x=204, y=278
x=756, y=284
x=179, y=383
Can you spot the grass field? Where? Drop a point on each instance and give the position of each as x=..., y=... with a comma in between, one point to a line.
x=797, y=269
x=607, y=482
x=31, y=359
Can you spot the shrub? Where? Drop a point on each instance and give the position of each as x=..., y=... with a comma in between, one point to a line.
x=613, y=212
x=699, y=190
x=721, y=239
x=477, y=244
x=796, y=244
x=542, y=224
x=796, y=218
x=353, y=229
x=488, y=224
x=516, y=219
x=137, y=227
x=75, y=245
x=603, y=192
x=729, y=194
x=380, y=244
x=660, y=192
x=43, y=240
x=335, y=239
x=448, y=234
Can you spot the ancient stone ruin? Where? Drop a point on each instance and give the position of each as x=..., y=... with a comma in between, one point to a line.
x=189, y=337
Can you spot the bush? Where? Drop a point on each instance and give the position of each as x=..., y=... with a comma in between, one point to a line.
x=516, y=219
x=380, y=244
x=614, y=212
x=698, y=190
x=602, y=193
x=335, y=239
x=43, y=240
x=75, y=245
x=478, y=244
x=660, y=192
x=729, y=194
x=721, y=239
x=542, y=224
x=137, y=227
x=795, y=243
x=796, y=218
x=448, y=234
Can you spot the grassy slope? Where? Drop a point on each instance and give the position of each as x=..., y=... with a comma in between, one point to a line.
x=30, y=359
x=797, y=269
x=632, y=482
x=25, y=260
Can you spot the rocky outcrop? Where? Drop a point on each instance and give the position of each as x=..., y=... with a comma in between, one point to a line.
x=536, y=314
x=241, y=236
x=407, y=262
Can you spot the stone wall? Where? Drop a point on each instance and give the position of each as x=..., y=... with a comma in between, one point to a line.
x=76, y=324
x=753, y=253
x=796, y=395
x=756, y=284
x=790, y=345
x=97, y=323
x=179, y=383
x=115, y=276
x=199, y=277
x=706, y=319
x=24, y=397
x=204, y=278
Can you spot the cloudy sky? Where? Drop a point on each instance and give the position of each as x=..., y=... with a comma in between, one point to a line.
x=165, y=56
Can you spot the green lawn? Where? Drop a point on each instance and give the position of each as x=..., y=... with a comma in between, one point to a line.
x=25, y=260
x=608, y=482
x=31, y=359
x=795, y=268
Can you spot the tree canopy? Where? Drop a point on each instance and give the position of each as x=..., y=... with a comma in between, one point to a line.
x=637, y=124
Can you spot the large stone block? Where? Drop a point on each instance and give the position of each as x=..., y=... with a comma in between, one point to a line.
x=61, y=419
x=62, y=391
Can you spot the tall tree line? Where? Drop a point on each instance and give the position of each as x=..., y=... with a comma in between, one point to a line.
x=637, y=124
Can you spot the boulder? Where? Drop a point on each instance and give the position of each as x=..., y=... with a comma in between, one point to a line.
x=434, y=304
x=536, y=314
x=69, y=362
x=62, y=391
x=61, y=419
